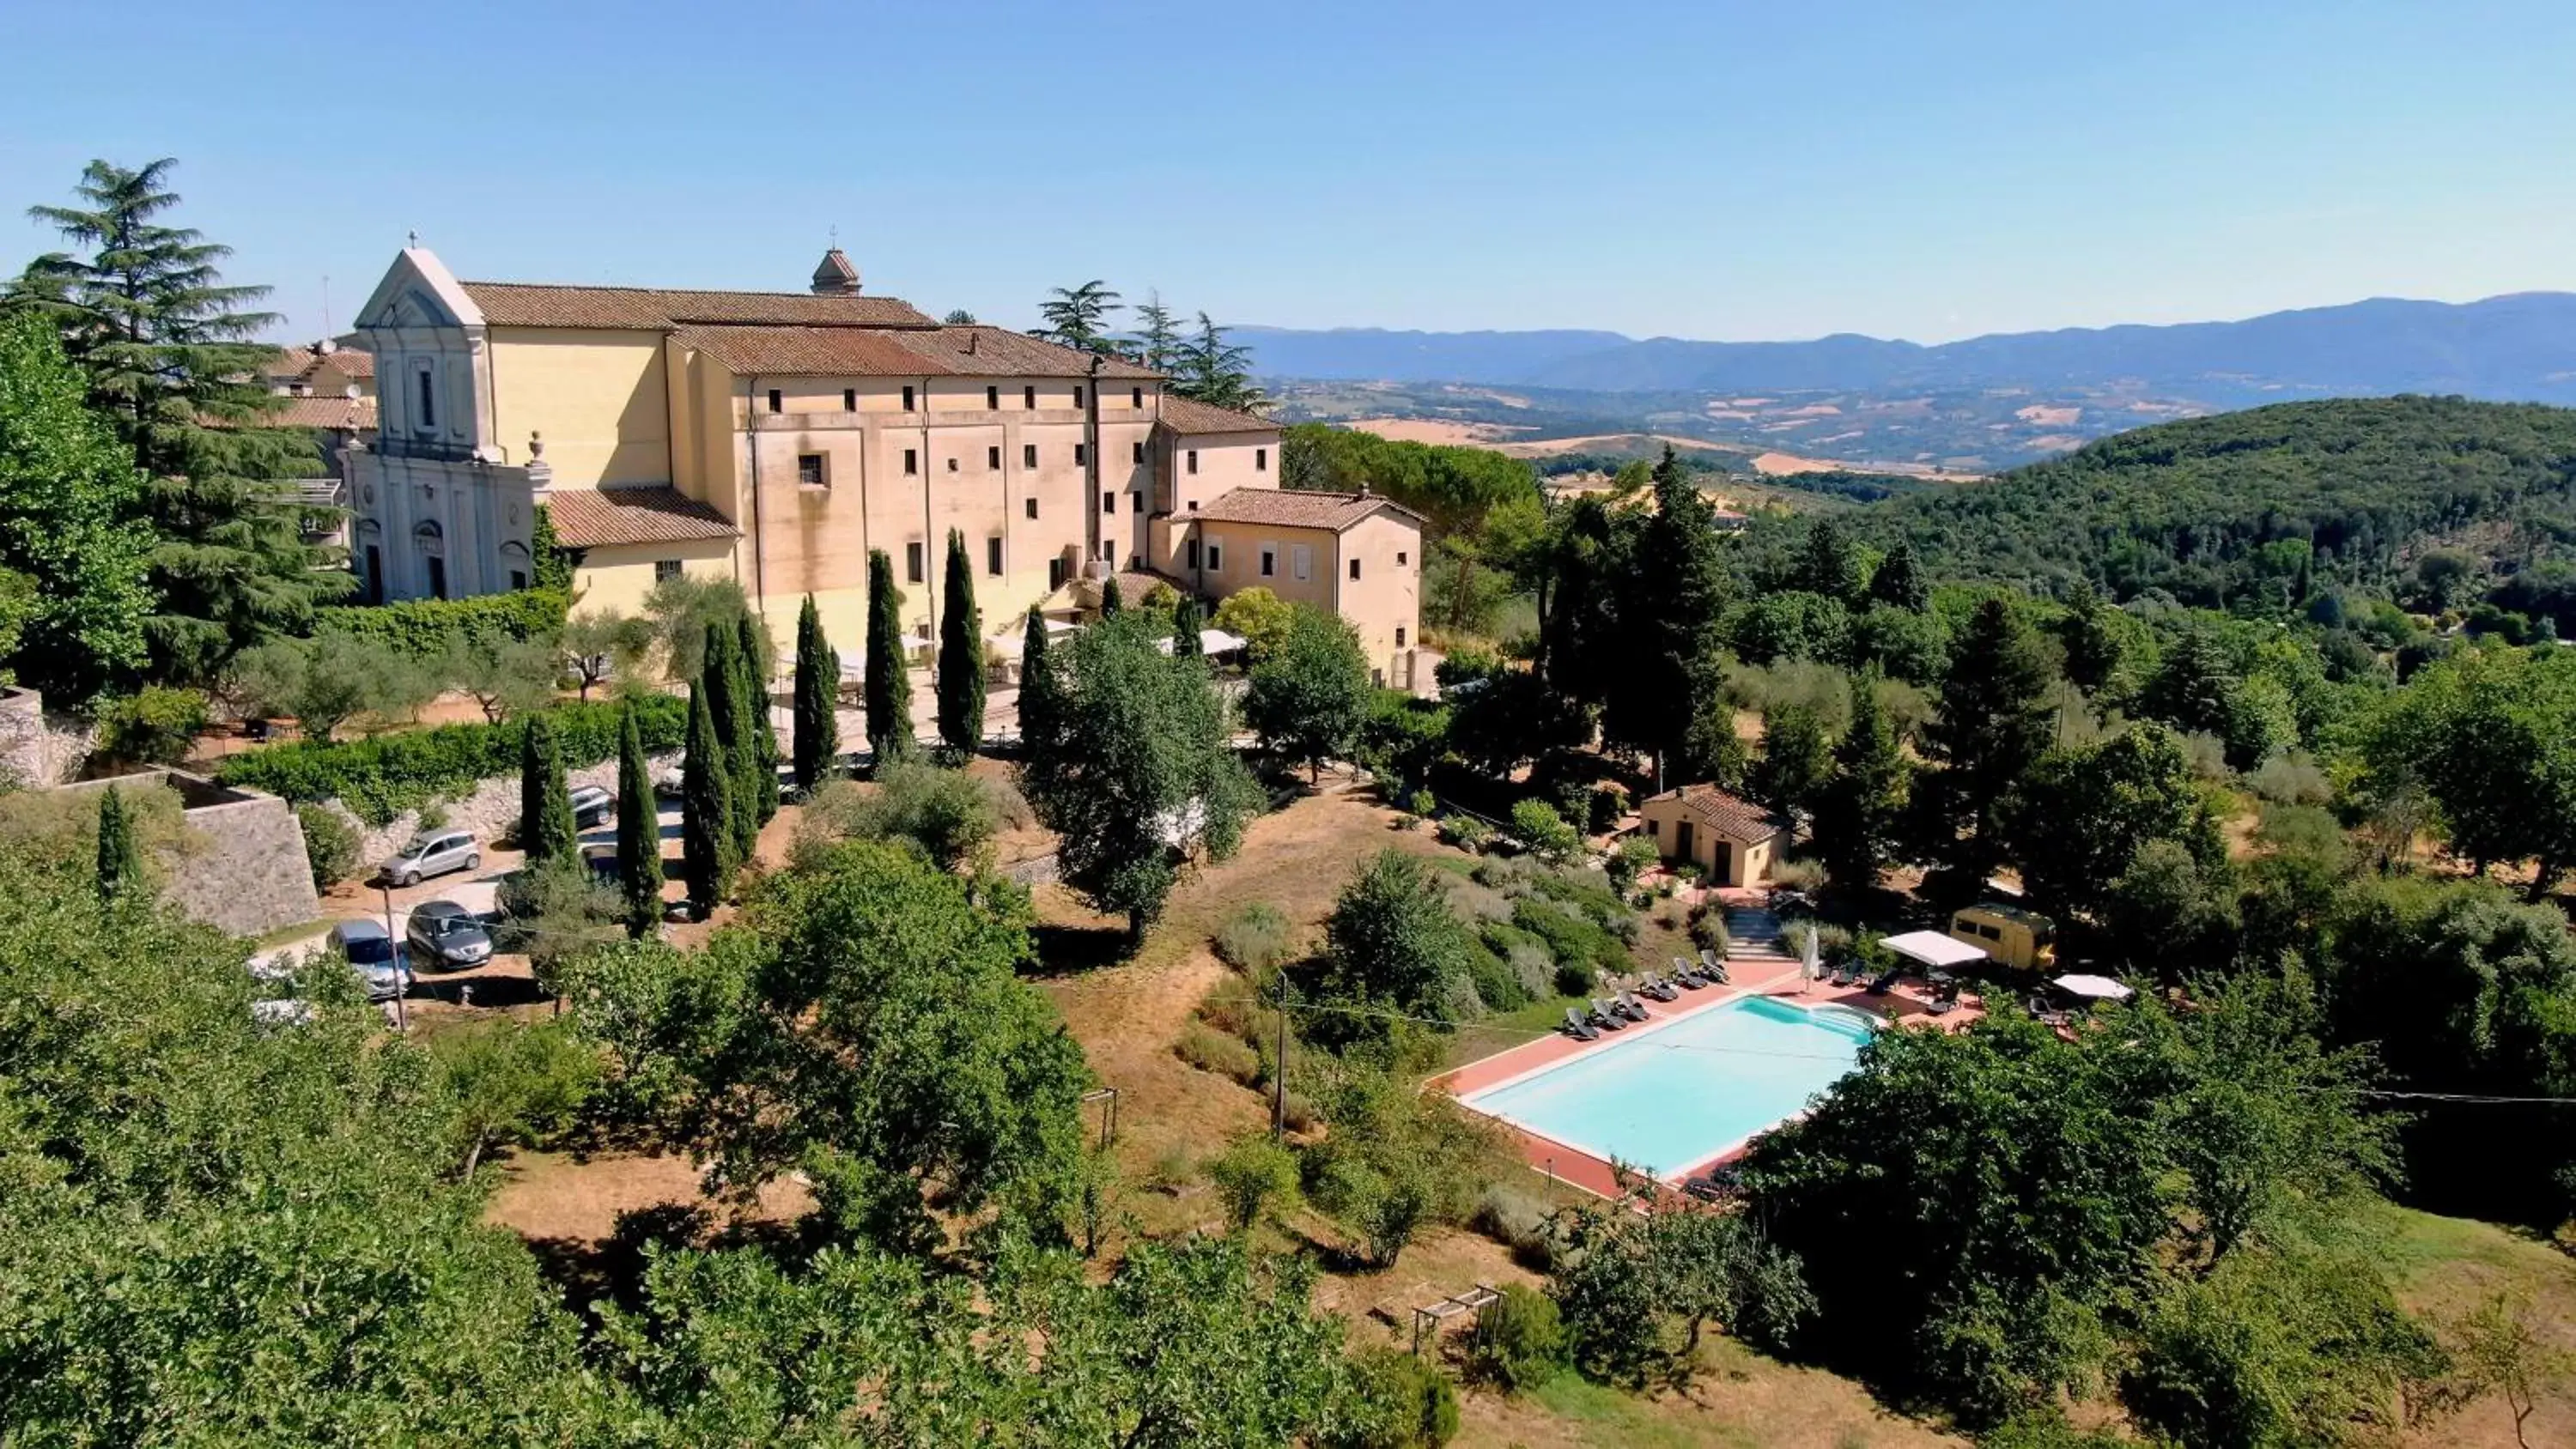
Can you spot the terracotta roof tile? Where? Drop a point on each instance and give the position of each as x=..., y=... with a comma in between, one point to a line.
x=1738, y=820
x=1188, y=415
x=589, y=518
x=1295, y=508
x=521, y=304
x=975, y=351
x=356, y=414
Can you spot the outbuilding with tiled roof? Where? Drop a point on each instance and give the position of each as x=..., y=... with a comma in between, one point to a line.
x=1300, y=508
x=605, y=517
x=1729, y=838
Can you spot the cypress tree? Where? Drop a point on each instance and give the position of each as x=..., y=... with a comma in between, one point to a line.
x=1993, y=724
x=120, y=860
x=751, y=662
x=546, y=830
x=720, y=673
x=707, y=853
x=639, y=829
x=1112, y=602
x=1858, y=814
x=818, y=682
x=889, y=692
x=961, y=655
x=1185, y=628
x=1899, y=582
x=1039, y=690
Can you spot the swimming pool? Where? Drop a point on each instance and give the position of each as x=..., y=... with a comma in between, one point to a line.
x=1670, y=1096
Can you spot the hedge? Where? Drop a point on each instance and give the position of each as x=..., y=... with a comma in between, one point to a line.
x=424, y=627
x=380, y=778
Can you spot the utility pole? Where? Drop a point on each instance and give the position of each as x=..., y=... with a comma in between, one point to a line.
x=1279, y=1073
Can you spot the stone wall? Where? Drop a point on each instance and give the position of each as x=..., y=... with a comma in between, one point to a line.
x=241, y=868
x=36, y=751
x=491, y=812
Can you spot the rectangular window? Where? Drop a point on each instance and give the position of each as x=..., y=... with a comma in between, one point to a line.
x=1081, y=454
x=1029, y=398
x=1031, y=505
x=907, y=399
x=1269, y=560
x=912, y=460
x=1216, y=557
x=1194, y=553
x=1355, y=568
x=518, y=578
x=993, y=457
x=1301, y=561
x=777, y=401
x=849, y=399
x=1194, y=460
x=437, y=578
x=665, y=569
x=993, y=399
x=1109, y=503
x=809, y=470
x=1077, y=397
x=912, y=562
x=993, y=555
x=1028, y=455
x=1055, y=572
x=952, y=465
x=1261, y=460
x=1399, y=558
x=1139, y=454
x=1135, y=397
x=1399, y=636
x=428, y=418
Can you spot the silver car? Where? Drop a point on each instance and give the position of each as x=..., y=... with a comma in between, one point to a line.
x=434, y=853
x=377, y=958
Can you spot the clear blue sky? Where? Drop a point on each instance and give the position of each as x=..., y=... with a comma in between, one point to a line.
x=1701, y=170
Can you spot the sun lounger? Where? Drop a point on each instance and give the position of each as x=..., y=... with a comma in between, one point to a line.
x=1577, y=1028
x=1607, y=1018
x=1885, y=980
x=1712, y=967
x=1686, y=975
x=1659, y=989
x=1847, y=976
x=1629, y=1003
x=1718, y=1184
x=1942, y=1006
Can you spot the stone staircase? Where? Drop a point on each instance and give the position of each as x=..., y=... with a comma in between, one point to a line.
x=1754, y=950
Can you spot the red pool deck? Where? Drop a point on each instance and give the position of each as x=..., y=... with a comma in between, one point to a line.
x=1905, y=1005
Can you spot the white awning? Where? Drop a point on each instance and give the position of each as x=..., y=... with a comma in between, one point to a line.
x=2093, y=988
x=1933, y=949
x=1211, y=641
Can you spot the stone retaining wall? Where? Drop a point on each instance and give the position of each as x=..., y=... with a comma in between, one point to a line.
x=491, y=812
x=242, y=869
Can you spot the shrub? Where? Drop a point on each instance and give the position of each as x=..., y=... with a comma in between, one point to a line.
x=1251, y=1174
x=1423, y=803
x=1466, y=832
x=1518, y=1222
x=425, y=628
x=1570, y=938
x=1256, y=940
x=1576, y=978
x=1402, y=1403
x=1544, y=832
x=330, y=845
x=380, y=778
x=1173, y=1169
x=1800, y=874
x=156, y=726
x=1213, y=1051
x=1519, y=1342
x=1633, y=858
x=1498, y=986
x=1708, y=927
x=1603, y=808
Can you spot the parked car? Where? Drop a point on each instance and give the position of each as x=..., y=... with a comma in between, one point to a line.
x=434, y=853
x=379, y=961
x=592, y=805
x=445, y=936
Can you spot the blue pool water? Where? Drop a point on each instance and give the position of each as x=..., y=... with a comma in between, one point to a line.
x=1677, y=1095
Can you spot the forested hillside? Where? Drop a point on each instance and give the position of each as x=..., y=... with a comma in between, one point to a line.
x=2275, y=501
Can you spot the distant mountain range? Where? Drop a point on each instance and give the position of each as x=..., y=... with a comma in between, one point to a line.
x=2517, y=347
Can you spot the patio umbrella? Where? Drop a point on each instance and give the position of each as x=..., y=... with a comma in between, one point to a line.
x=2092, y=988
x=1810, y=968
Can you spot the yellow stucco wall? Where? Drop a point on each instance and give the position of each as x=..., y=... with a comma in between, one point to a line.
x=617, y=578
x=598, y=398
x=1384, y=603
x=1742, y=865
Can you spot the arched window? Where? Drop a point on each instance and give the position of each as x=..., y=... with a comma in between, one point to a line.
x=430, y=542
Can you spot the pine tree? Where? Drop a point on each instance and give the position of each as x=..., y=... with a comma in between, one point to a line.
x=1899, y=582
x=1672, y=591
x=707, y=852
x=1113, y=601
x=68, y=492
x=1158, y=338
x=720, y=672
x=639, y=829
x=170, y=358
x=1077, y=317
x=120, y=859
x=1826, y=565
x=1187, y=621
x=1861, y=809
x=889, y=688
x=546, y=831
x=1992, y=725
x=818, y=685
x=751, y=662
x=961, y=655
x=1217, y=372
x=1040, y=689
